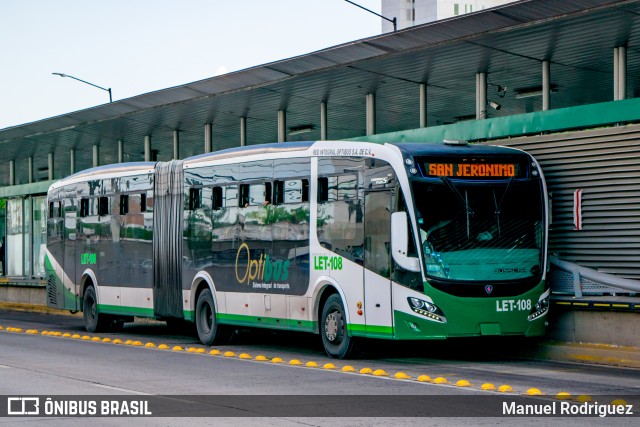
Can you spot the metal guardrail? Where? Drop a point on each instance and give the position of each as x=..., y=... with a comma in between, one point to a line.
x=567, y=277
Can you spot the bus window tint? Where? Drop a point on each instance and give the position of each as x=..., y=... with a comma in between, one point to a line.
x=340, y=216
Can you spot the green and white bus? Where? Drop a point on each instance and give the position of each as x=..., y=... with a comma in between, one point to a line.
x=339, y=238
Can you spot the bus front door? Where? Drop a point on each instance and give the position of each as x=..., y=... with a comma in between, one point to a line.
x=68, y=278
x=377, y=265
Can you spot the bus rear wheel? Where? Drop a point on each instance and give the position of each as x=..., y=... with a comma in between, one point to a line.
x=333, y=329
x=93, y=320
x=209, y=330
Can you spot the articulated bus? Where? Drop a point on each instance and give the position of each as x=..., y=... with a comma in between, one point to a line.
x=342, y=239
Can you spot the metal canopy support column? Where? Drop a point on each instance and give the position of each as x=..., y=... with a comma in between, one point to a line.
x=147, y=148
x=481, y=96
x=176, y=143
x=323, y=121
x=243, y=131
x=423, y=105
x=546, y=84
x=30, y=169
x=208, y=137
x=120, y=151
x=96, y=154
x=616, y=65
x=622, y=72
x=50, y=159
x=282, y=126
x=72, y=161
x=371, y=114
x=12, y=172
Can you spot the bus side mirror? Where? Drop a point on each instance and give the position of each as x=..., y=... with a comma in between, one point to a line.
x=400, y=243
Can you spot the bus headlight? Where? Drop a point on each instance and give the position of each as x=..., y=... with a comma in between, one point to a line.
x=427, y=309
x=541, y=307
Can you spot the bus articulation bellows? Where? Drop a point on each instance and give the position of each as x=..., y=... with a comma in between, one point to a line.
x=338, y=238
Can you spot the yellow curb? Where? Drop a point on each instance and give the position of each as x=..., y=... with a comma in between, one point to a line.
x=440, y=380
x=276, y=360
x=488, y=387
x=106, y=339
x=245, y=356
x=229, y=354
x=76, y=336
x=177, y=348
x=584, y=398
x=328, y=366
x=66, y=335
x=163, y=347
x=563, y=395
x=261, y=358
x=366, y=371
x=95, y=339
x=505, y=388
x=401, y=376
x=86, y=337
x=117, y=341
x=191, y=349
x=215, y=352
x=32, y=332
x=424, y=378
x=348, y=369
x=295, y=362
x=45, y=333
x=311, y=364
x=200, y=350
x=534, y=392
x=463, y=383
x=57, y=334
x=128, y=342
x=150, y=345
x=1, y=328
x=137, y=343
x=619, y=402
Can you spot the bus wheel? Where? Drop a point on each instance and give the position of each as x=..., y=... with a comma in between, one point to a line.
x=333, y=329
x=93, y=321
x=209, y=331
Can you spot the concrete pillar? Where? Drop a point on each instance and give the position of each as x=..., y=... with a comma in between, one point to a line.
x=176, y=143
x=72, y=161
x=12, y=172
x=50, y=161
x=546, y=84
x=323, y=121
x=147, y=148
x=282, y=126
x=30, y=169
x=481, y=96
x=208, y=137
x=243, y=131
x=96, y=156
x=370, y=114
x=423, y=105
x=120, y=151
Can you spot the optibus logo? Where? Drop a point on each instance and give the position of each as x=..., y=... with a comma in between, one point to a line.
x=262, y=268
x=23, y=406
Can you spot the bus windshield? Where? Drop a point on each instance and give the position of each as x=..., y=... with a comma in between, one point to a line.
x=473, y=232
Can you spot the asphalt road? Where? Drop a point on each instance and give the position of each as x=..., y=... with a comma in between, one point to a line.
x=37, y=364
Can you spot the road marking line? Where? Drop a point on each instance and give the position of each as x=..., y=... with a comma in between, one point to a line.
x=122, y=389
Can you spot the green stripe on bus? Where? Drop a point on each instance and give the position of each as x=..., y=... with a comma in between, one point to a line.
x=270, y=322
x=370, y=331
x=124, y=310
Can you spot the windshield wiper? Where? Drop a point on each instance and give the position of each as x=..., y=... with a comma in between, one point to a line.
x=464, y=200
x=499, y=205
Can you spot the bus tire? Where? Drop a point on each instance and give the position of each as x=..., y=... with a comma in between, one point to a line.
x=209, y=330
x=333, y=329
x=93, y=320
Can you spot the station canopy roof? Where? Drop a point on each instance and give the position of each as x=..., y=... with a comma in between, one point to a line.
x=507, y=42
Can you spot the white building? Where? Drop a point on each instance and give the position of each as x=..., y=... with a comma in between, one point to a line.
x=414, y=12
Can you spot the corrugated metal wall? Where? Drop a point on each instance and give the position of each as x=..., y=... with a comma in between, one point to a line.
x=605, y=164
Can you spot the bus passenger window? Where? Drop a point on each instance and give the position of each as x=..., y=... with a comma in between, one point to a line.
x=84, y=207
x=195, y=198
x=216, y=198
x=103, y=206
x=278, y=192
x=124, y=204
x=323, y=190
x=305, y=190
x=143, y=202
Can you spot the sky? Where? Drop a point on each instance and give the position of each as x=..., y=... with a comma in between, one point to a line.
x=140, y=46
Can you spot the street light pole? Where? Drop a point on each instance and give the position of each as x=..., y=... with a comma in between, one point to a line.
x=394, y=21
x=83, y=81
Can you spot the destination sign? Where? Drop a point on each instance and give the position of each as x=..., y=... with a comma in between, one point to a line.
x=473, y=170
